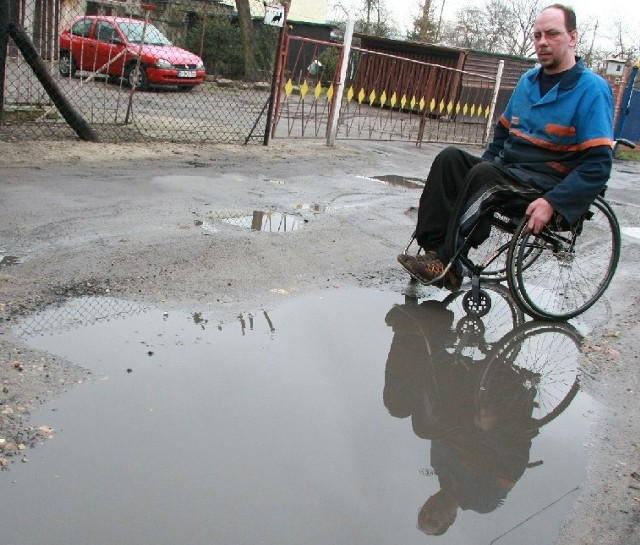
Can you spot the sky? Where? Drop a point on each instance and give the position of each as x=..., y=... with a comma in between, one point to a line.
x=404, y=11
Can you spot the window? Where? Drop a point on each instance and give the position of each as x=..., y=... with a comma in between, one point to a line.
x=82, y=28
x=105, y=32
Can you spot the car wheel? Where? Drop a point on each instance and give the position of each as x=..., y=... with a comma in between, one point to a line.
x=66, y=64
x=137, y=77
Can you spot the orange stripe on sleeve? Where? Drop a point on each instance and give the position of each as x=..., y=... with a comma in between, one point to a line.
x=559, y=147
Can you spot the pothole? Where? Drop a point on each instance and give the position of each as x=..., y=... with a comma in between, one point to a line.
x=398, y=181
x=255, y=220
x=6, y=260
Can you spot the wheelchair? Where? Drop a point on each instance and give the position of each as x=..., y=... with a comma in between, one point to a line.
x=555, y=275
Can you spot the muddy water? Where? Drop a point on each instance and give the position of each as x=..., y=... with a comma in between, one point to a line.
x=329, y=419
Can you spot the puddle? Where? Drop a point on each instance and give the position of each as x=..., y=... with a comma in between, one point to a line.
x=330, y=419
x=315, y=208
x=257, y=220
x=207, y=227
x=6, y=260
x=400, y=181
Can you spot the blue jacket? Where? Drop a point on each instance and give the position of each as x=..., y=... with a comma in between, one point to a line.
x=561, y=143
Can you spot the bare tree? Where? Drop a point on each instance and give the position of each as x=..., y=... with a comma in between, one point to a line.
x=624, y=44
x=371, y=17
x=377, y=21
x=426, y=26
x=499, y=26
x=587, y=39
x=522, y=14
x=468, y=30
x=247, y=36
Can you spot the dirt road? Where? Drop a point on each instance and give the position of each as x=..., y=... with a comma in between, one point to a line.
x=133, y=221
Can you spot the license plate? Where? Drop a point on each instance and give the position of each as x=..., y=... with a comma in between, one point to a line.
x=186, y=73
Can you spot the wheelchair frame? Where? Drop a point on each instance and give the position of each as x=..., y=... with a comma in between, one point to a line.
x=555, y=275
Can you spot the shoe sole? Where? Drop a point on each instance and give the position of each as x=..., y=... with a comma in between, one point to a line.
x=438, y=282
x=405, y=265
x=413, y=274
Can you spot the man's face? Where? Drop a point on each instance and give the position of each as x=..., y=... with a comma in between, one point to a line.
x=553, y=42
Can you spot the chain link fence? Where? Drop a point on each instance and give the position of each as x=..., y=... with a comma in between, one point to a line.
x=124, y=71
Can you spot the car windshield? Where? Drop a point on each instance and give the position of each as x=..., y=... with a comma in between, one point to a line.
x=152, y=36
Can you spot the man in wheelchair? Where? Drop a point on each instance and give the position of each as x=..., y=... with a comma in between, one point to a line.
x=552, y=150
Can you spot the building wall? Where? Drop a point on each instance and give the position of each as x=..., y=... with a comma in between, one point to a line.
x=618, y=86
x=307, y=11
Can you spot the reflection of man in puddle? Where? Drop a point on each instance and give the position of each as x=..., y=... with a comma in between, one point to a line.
x=478, y=451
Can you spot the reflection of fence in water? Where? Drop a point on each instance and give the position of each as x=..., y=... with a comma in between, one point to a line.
x=259, y=220
x=77, y=313
x=88, y=311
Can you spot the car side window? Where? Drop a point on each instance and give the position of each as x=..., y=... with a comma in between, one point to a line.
x=105, y=32
x=82, y=28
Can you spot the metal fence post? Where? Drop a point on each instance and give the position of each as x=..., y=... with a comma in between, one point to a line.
x=5, y=19
x=494, y=100
x=336, y=104
x=278, y=69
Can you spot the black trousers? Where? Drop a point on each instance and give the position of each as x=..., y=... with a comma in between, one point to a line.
x=459, y=189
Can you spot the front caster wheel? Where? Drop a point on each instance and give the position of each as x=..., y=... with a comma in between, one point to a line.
x=476, y=306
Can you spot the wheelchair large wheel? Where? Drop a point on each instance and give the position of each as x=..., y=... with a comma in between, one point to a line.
x=559, y=274
x=532, y=375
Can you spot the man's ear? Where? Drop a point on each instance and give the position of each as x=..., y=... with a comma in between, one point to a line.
x=574, y=38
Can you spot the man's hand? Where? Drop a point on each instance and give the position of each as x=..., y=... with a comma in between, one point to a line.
x=540, y=213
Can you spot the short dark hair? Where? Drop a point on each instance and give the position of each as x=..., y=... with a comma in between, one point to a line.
x=569, y=16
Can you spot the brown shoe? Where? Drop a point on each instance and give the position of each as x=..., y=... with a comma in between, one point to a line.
x=431, y=267
x=428, y=269
x=410, y=263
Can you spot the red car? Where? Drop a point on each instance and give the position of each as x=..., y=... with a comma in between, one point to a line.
x=112, y=45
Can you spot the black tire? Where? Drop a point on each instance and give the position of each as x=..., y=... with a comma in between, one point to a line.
x=136, y=77
x=476, y=308
x=533, y=373
x=570, y=270
x=66, y=65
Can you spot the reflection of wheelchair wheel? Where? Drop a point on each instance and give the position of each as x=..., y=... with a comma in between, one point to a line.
x=533, y=374
x=470, y=327
x=570, y=270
